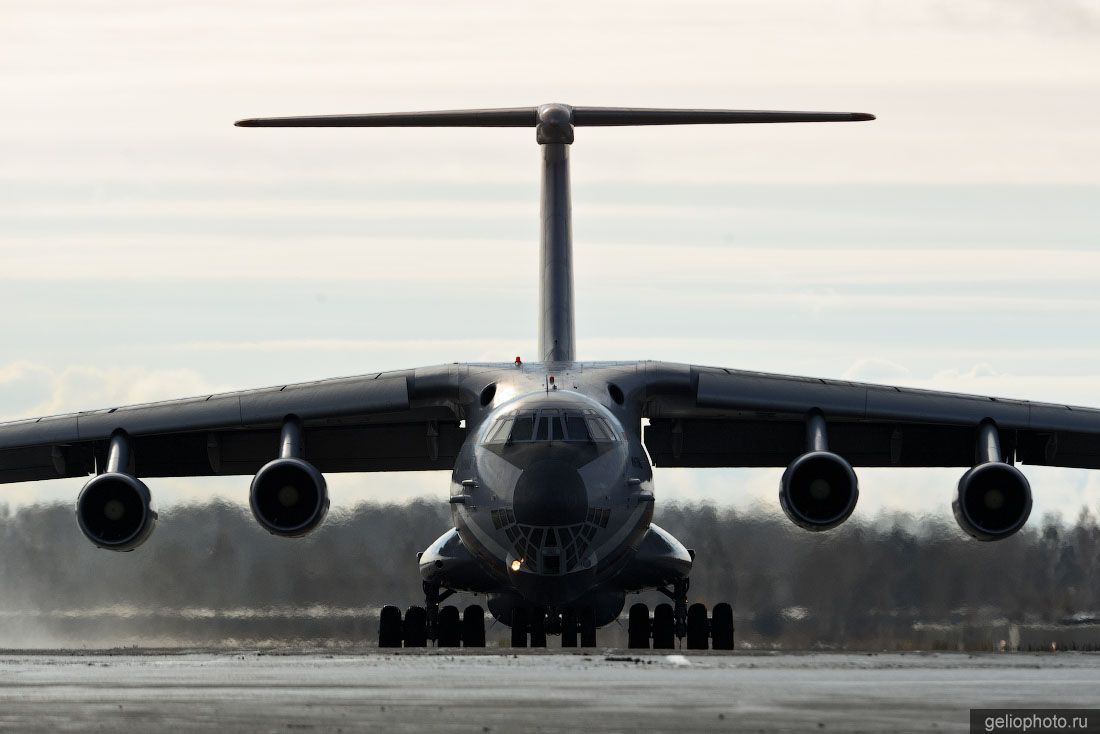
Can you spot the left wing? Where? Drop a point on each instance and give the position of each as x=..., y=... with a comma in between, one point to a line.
x=711, y=416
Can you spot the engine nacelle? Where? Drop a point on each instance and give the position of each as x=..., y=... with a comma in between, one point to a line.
x=115, y=511
x=994, y=501
x=289, y=497
x=818, y=490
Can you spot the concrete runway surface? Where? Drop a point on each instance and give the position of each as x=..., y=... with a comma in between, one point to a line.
x=594, y=691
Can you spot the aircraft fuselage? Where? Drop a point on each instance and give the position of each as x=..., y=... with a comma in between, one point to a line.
x=552, y=497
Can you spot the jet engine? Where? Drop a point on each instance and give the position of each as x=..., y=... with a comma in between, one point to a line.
x=819, y=489
x=289, y=497
x=994, y=501
x=115, y=509
x=994, y=498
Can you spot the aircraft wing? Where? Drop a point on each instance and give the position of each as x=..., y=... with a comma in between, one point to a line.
x=388, y=421
x=710, y=416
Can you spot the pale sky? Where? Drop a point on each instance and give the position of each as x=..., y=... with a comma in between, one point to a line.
x=149, y=249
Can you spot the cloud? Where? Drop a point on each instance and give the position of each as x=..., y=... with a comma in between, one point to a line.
x=977, y=372
x=29, y=390
x=877, y=370
x=1062, y=18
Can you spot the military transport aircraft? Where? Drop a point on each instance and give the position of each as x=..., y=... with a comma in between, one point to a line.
x=551, y=488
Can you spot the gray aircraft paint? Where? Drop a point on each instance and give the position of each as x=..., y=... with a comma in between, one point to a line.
x=412, y=419
x=557, y=341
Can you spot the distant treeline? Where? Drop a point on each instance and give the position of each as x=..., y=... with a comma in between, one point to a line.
x=892, y=582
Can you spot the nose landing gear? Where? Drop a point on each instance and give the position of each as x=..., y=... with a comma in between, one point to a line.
x=537, y=622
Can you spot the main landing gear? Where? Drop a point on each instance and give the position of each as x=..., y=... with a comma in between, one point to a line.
x=531, y=625
x=431, y=622
x=679, y=621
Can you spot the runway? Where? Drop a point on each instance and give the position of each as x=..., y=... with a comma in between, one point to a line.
x=596, y=691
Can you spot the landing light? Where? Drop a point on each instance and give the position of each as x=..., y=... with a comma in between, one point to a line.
x=516, y=565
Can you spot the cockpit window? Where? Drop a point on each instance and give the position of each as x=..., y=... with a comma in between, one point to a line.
x=521, y=430
x=543, y=432
x=500, y=431
x=550, y=424
x=558, y=431
x=599, y=429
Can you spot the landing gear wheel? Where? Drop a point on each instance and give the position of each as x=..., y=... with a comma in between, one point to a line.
x=664, y=628
x=538, y=628
x=448, y=627
x=473, y=626
x=568, y=628
x=587, y=619
x=415, y=628
x=698, y=632
x=721, y=627
x=519, y=627
x=389, y=627
x=637, y=630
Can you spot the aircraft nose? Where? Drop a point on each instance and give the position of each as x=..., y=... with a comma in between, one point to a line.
x=550, y=492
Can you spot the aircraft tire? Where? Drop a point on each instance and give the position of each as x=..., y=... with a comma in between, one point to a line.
x=415, y=628
x=448, y=627
x=721, y=627
x=519, y=627
x=587, y=618
x=637, y=629
x=538, y=628
x=698, y=632
x=389, y=627
x=473, y=626
x=664, y=628
x=568, y=628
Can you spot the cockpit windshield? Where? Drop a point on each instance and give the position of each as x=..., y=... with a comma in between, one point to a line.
x=550, y=424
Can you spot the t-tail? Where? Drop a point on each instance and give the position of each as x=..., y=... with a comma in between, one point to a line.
x=554, y=125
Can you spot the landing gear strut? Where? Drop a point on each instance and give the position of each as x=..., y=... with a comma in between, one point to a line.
x=432, y=598
x=679, y=612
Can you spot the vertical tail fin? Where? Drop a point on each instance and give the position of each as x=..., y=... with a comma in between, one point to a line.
x=554, y=125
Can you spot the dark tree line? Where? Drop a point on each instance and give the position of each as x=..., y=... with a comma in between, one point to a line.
x=863, y=583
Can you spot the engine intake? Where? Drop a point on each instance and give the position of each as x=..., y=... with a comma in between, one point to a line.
x=289, y=497
x=115, y=510
x=994, y=498
x=819, y=489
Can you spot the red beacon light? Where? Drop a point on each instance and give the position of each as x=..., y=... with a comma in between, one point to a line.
x=519, y=362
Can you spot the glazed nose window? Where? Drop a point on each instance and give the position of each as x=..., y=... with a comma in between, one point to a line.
x=549, y=425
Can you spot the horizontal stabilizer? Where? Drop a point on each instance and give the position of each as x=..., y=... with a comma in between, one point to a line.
x=513, y=117
x=578, y=116
x=647, y=116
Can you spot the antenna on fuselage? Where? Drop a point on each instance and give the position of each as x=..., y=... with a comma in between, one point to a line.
x=554, y=125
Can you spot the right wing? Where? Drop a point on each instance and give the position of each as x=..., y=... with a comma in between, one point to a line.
x=388, y=421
